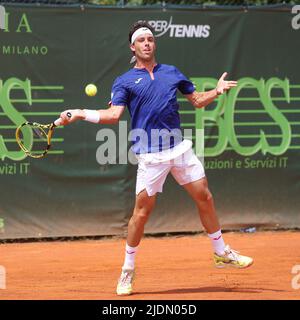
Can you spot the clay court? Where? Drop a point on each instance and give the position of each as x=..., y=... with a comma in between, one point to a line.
x=177, y=267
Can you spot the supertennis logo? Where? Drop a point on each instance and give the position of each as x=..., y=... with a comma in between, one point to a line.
x=163, y=27
x=2, y=17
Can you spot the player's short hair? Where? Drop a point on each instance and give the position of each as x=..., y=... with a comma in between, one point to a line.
x=137, y=25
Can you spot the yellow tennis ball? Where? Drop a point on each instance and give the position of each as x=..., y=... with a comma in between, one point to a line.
x=91, y=90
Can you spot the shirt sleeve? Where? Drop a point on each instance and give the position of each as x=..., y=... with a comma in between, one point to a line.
x=119, y=93
x=185, y=86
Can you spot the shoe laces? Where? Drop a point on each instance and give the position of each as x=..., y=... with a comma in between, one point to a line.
x=232, y=254
x=126, y=277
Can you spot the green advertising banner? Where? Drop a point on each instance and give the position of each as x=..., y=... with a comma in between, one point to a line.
x=252, y=134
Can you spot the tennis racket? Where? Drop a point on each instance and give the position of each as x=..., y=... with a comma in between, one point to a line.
x=35, y=138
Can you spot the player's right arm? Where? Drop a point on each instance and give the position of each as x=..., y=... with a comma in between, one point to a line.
x=104, y=116
x=112, y=115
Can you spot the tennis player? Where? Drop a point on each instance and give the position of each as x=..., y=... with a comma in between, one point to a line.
x=149, y=90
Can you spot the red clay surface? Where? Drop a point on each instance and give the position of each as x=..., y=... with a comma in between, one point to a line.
x=167, y=268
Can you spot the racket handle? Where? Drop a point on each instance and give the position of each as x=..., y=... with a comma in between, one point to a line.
x=58, y=122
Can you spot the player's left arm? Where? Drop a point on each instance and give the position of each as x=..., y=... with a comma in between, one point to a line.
x=202, y=99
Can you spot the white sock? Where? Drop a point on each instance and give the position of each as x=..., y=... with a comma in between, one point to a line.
x=130, y=254
x=217, y=242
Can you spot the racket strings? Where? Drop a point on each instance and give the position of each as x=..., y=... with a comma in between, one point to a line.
x=33, y=139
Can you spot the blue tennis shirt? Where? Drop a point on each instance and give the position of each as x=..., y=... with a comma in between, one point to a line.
x=152, y=105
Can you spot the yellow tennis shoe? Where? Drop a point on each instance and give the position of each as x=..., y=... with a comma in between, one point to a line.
x=232, y=258
x=125, y=282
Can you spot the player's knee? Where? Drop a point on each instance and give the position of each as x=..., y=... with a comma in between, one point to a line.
x=142, y=214
x=209, y=196
x=204, y=195
x=140, y=219
x=144, y=208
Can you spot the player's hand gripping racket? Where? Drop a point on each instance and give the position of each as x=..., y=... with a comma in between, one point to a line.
x=35, y=138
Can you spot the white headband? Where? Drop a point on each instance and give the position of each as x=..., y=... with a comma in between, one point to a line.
x=139, y=32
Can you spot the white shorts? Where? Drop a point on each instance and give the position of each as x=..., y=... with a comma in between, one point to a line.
x=151, y=176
